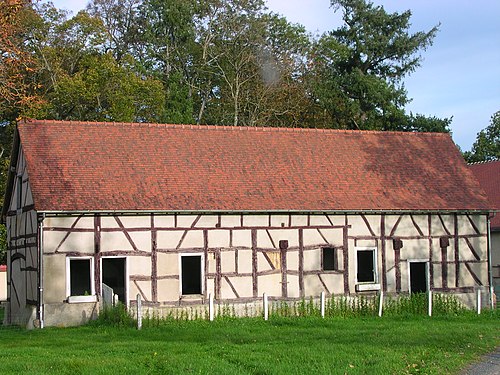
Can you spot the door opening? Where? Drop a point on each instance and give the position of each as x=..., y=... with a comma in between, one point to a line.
x=418, y=277
x=113, y=275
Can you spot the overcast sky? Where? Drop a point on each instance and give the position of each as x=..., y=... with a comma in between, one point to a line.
x=460, y=73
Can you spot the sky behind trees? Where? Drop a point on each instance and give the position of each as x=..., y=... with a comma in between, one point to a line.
x=460, y=73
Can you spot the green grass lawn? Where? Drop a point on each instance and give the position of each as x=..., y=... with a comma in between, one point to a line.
x=251, y=346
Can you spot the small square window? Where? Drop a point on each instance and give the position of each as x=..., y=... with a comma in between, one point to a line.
x=79, y=283
x=329, y=259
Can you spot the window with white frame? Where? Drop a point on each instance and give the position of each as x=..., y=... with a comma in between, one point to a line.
x=366, y=265
x=191, y=274
x=79, y=280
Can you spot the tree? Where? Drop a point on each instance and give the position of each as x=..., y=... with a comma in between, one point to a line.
x=358, y=68
x=168, y=42
x=17, y=91
x=487, y=144
x=249, y=65
x=102, y=90
x=122, y=24
x=421, y=123
x=278, y=95
x=238, y=36
x=81, y=80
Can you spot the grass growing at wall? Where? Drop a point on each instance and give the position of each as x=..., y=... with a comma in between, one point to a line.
x=361, y=345
x=364, y=306
x=116, y=316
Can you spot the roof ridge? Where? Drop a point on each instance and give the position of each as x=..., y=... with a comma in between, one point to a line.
x=232, y=128
x=484, y=162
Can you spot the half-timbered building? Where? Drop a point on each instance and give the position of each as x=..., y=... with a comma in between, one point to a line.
x=175, y=212
x=488, y=175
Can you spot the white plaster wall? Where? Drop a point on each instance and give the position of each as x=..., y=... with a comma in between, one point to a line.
x=185, y=234
x=54, y=279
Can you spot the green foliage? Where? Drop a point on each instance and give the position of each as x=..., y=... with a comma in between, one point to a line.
x=487, y=144
x=102, y=90
x=421, y=123
x=179, y=108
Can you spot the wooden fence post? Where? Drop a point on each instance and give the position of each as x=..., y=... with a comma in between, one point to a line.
x=211, y=307
x=492, y=292
x=380, y=303
x=266, y=306
x=478, y=301
x=322, y=302
x=430, y=303
x=139, y=311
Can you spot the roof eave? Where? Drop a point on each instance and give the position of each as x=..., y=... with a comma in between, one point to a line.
x=260, y=212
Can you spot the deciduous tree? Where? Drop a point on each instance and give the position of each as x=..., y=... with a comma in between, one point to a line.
x=487, y=144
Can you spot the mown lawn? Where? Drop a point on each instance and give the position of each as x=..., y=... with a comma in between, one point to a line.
x=252, y=346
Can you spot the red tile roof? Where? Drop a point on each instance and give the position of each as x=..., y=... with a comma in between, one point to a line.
x=77, y=166
x=488, y=175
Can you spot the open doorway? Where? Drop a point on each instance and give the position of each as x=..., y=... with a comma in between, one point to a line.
x=114, y=274
x=418, y=276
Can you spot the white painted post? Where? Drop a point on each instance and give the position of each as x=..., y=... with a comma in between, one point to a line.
x=266, y=306
x=380, y=303
x=492, y=291
x=211, y=307
x=322, y=301
x=139, y=311
x=430, y=303
x=115, y=299
x=478, y=301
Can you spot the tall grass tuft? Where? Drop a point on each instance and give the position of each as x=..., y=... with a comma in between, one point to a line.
x=417, y=304
x=116, y=316
x=447, y=305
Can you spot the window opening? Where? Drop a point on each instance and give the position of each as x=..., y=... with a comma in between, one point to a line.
x=330, y=261
x=80, y=277
x=418, y=277
x=366, y=266
x=191, y=274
